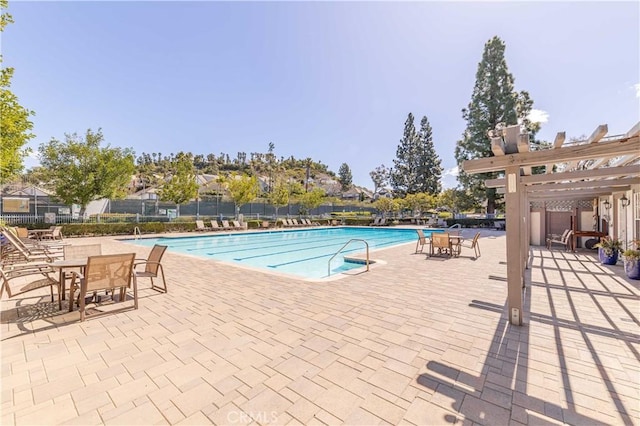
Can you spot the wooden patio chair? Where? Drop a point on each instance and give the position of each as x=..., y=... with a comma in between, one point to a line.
x=153, y=267
x=105, y=272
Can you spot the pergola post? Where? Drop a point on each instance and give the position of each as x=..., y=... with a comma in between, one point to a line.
x=514, y=225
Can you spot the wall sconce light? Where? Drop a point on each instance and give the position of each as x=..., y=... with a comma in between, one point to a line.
x=624, y=201
x=607, y=204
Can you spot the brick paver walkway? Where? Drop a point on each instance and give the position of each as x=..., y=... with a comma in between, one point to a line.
x=414, y=341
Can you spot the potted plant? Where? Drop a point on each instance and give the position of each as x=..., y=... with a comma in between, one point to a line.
x=608, y=249
x=632, y=261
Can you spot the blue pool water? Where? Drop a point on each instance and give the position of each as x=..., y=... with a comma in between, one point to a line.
x=301, y=252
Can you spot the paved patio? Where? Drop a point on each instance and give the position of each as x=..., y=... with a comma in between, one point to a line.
x=414, y=341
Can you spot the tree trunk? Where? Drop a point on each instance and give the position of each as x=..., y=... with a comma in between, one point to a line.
x=491, y=201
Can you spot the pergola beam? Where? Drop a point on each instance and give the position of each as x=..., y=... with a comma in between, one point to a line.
x=598, y=133
x=577, y=175
x=577, y=152
x=602, y=183
x=576, y=194
x=581, y=175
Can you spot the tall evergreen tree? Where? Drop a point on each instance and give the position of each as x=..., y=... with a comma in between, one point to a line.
x=417, y=167
x=403, y=173
x=429, y=169
x=344, y=176
x=493, y=101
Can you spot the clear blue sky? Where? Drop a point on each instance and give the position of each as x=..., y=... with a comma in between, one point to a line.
x=331, y=81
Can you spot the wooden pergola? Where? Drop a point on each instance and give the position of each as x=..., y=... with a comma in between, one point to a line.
x=585, y=170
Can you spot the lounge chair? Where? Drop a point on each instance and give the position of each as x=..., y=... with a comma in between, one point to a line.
x=564, y=240
x=54, y=234
x=21, y=253
x=296, y=224
x=422, y=240
x=376, y=222
x=215, y=226
x=473, y=244
x=152, y=267
x=441, y=242
x=201, y=227
x=16, y=281
x=225, y=225
x=237, y=226
x=105, y=272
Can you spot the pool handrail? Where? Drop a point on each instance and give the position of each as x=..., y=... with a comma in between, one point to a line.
x=342, y=248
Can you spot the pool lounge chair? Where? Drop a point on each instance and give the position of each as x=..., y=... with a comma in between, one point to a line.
x=376, y=222
x=201, y=227
x=28, y=278
x=226, y=226
x=18, y=252
x=237, y=225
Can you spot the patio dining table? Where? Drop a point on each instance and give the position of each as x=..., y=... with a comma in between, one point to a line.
x=61, y=265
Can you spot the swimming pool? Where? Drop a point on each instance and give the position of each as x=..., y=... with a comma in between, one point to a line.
x=301, y=252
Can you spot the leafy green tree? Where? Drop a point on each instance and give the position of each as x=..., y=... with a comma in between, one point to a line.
x=311, y=200
x=456, y=200
x=420, y=202
x=387, y=205
x=181, y=185
x=379, y=176
x=279, y=196
x=243, y=189
x=80, y=171
x=493, y=101
x=15, y=125
x=344, y=176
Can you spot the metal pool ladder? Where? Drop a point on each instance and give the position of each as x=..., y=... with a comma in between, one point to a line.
x=342, y=248
x=136, y=233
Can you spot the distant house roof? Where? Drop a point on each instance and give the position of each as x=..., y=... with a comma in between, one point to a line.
x=30, y=191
